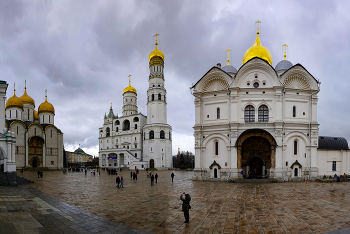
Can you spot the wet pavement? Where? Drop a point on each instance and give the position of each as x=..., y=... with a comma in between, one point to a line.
x=217, y=207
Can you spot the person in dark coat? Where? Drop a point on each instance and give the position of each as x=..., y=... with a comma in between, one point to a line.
x=152, y=179
x=186, y=198
x=156, y=177
x=122, y=182
x=131, y=174
x=38, y=173
x=41, y=174
x=117, y=180
x=172, y=177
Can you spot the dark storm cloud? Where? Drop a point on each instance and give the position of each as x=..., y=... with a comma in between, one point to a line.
x=83, y=52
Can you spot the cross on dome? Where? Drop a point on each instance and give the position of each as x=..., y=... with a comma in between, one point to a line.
x=228, y=56
x=285, y=51
x=259, y=22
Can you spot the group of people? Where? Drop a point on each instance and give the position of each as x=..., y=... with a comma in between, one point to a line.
x=120, y=181
x=40, y=174
x=153, y=177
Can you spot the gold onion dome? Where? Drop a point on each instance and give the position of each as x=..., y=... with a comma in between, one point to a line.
x=46, y=107
x=36, y=115
x=130, y=88
x=14, y=101
x=156, y=52
x=27, y=99
x=257, y=50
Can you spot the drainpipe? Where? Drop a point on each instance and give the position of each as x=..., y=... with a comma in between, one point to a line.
x=310, y=118
x=283, y=126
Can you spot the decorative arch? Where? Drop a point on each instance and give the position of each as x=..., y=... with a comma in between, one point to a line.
x=295, y=81
x=301, y=135
x=35, y=124
x=212, y=75
x=215, y=84
x=51, y=126
x=214, y=164
x=126, y=125
x=249, y=103
x=296, y=163
x=213, y=136
x=17, y=121
x=299, y=71
x=36, y=136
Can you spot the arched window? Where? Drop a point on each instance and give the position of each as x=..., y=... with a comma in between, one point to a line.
x=169, y=136
x=117, y=122
x=135, y=126
x=159, y=96
x=136, y=119
x=216, y=148
x=162, y=134
x=218, y=113
x=151, y=135
x=249, y=114
x=107, y=132
x=295, y=147
x=152, y=97
x=117, y=129
x=263, y=114
x=294, y=111
x=144, y=136
x=126, y=125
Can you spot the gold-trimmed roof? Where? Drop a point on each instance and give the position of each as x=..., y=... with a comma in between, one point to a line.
x=46, y=107
x=130, y=88
x=156, y=52
x=257, y=50
x=14, y=101
x=36, y=115
x=26, y=98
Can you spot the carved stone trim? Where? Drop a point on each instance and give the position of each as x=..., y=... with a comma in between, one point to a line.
x=214, y=164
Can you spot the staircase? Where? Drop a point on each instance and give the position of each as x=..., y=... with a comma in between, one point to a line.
x=11, y=179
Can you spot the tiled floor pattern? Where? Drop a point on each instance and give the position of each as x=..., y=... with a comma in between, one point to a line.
x=217, y=207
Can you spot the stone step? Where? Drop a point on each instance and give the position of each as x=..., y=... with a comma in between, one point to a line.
x=256, y=181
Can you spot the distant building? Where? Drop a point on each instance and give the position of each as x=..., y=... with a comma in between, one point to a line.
x=78, y=157
x=134, y=140
x=39, y=143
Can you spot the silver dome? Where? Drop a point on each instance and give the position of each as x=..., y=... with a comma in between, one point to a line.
x=283, y=65
x=229, y=69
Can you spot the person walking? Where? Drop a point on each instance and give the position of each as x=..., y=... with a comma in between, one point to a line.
x=99, y=172
x=117, y=180
x=172, y=177
x=156, y=177
x=122, y=181
x=38, y=173
x=186, y=198
x=152, y=179
x=131, y=174
x=41, y=174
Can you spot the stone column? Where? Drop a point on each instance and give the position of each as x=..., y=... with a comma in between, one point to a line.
x=272, y=156
x=239, y=157
x=44, y=155
x=26, y=147
x=9, y=148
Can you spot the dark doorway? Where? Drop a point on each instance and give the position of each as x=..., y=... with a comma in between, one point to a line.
x=34, y=163
x=295, y=171
x=215, y=173
x=151, y=163
x=256, y=167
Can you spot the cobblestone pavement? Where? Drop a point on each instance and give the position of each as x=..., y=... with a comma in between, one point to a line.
x=217, y=207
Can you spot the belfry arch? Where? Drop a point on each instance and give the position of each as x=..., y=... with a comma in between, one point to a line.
x=256, y=152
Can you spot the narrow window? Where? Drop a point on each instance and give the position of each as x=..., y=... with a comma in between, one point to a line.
x=10, y=114
x=169, y=136
x=295, y=147
x=16, y=114
x=17, y=130
x=43, y=118
x=144, y=136
x=152, y=97
x=249, y=114
x=136, y=157
x=135, y=146
x=151, y=135
x=51, y=133
x=28, y=114
x=159, y=96
x=34, y=131
x=51, y=151
x=49, y=119
x=135, y=126
x=294, y=111
x=263, y=114
x=216, y=148
x=117, y=129
x=162, y=134
x=218, y=113
x=334, y=166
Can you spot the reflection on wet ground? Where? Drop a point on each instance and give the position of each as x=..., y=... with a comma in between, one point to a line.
x=293, y=207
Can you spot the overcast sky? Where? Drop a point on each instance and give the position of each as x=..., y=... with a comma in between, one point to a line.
x=83, y=51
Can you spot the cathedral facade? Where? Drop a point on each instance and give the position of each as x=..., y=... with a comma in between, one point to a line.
x=39, y=143
x=134, y=140
x=261, y=121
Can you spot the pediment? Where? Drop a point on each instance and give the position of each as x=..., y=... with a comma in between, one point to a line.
x=214, y=80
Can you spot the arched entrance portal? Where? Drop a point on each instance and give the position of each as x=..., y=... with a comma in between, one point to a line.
x=255, y=153
x=35, y=144
x=151, y=163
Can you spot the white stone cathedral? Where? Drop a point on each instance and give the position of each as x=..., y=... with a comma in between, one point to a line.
x=261, y=121
x=134, y=140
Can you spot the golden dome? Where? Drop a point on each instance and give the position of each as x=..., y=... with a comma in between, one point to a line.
x=14, y=101
x=27, y=99
x=36, y=115
x=257, y=50
x=156, y=52
x=46, y=107
x=129, y=89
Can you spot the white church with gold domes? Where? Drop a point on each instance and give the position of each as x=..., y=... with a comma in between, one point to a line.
x=39, y=143
x=261, y=121
x=134, y=140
